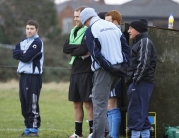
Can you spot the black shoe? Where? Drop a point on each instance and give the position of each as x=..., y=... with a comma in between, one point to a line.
x=31, y=134
x=23, y=134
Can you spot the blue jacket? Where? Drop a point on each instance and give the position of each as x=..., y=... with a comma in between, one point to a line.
x=31, y=61
x=102, y=38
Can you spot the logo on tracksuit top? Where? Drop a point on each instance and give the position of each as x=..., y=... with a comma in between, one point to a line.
x=34, y=46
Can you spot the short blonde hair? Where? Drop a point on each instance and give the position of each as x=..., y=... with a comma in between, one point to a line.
x=81, y=8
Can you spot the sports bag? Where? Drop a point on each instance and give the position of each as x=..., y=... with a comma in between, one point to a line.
x=171, y=132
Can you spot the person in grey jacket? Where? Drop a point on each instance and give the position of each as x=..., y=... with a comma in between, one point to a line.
x=30, y=54
x=140, y=78
x=103, y=40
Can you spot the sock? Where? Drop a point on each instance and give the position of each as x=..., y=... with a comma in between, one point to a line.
x=114, y=118
x=91, y=126
x=78, y=128
x=135, y=134
x=145, y=133
x=26, y=131
x=34, y=130
x=110, y=121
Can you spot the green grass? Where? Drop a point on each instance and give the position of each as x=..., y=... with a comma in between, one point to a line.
x=57, y=119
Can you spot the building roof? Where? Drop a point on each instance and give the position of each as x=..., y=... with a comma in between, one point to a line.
x=151, y=8
x=136, y=8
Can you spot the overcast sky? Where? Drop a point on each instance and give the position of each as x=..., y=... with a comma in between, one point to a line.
x=110, y=1
x=106, y=1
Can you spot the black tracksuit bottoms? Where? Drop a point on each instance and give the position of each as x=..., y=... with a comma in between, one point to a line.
x=139, y=95
x=29, y=92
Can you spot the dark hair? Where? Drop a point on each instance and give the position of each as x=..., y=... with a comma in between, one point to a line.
x=115, y=16
x=33, y=22
x=102, y=15
x=81, y=8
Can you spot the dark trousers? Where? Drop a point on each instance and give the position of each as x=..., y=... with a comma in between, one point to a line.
x=29, y=92
x=139, y=95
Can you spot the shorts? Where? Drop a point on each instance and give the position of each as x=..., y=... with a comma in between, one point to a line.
x=80, y=87
x=117, y=91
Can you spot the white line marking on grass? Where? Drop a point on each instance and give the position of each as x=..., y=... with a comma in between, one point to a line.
x=49, y=129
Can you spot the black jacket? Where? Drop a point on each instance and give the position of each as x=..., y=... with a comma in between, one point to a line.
x=143, y=60
x=80, y=65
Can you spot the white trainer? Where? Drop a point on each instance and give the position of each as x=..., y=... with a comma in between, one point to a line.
x=75, y=136
x=90, y=135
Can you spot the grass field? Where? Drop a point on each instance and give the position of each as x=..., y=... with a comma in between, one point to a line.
x=56, y=112
x=55, y=109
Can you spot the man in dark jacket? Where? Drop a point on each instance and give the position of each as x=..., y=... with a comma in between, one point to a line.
x=140, y=78
x=81, y=75
x=30, y=53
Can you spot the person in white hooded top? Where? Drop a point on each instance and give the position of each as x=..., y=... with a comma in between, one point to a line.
x=104, y=45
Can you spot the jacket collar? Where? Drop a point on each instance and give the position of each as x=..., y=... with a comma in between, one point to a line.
x=94, y=19
x=140, y=36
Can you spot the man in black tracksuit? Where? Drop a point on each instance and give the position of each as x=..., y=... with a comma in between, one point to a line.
x=140, y=78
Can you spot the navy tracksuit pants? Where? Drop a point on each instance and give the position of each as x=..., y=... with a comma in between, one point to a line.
x=139, y=95
x=29, y=92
